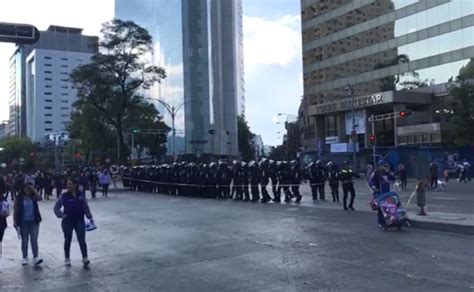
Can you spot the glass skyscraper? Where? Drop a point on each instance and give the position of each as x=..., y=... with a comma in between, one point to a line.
x=395, y=54
x=199, y=43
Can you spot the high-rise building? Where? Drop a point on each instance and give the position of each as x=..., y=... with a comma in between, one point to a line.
x=394, y=55
x=40, y=89
x=199, y=44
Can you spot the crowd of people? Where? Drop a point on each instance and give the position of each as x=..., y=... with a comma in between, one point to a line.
x=244, y=181
x=27, y=189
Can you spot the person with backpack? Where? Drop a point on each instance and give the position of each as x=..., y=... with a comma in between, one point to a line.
x=71, y=207
x=27, y=219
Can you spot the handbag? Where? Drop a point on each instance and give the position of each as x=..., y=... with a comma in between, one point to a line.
x=90, y=226
x=5, y=210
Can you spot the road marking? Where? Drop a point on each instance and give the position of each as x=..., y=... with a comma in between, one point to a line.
x=292, y=209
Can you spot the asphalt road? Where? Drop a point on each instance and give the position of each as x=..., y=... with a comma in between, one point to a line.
x=160, y=243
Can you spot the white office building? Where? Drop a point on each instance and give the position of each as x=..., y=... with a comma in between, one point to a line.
x=49, y=90
x=41, y=95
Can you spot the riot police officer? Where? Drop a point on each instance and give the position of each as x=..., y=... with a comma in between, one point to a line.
x=254, y=175
x=264, y=179
x=333, y=178
x=245, y=181
x=347, y=179
x=276, y=190
x=318, y=180
x=237, y=176
x=295, y=180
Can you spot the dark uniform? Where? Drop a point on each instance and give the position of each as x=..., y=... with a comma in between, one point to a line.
x=237, y=176
x=265, y=180
x=347, y=179
x=318, y=179
x=254, y=175
x=333, y=178
x=295, y=180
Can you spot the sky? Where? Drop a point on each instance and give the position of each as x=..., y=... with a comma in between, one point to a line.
x=272, y=52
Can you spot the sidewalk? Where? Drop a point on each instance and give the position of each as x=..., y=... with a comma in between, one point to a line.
x=436, y=220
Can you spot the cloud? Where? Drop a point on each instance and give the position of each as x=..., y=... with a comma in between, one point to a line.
x=271, y=42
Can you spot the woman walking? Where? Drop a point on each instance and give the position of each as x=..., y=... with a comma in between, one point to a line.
x=71, y=207
x=104, y=180
x=26, y=219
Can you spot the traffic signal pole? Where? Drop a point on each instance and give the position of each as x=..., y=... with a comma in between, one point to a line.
x=374, y=146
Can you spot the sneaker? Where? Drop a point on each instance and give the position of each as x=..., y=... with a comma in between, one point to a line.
x=67, y=262
x=86, y=262
x=24, y=262
x=37, y=261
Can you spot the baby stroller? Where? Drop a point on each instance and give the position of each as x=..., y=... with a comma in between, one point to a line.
x=392, y=210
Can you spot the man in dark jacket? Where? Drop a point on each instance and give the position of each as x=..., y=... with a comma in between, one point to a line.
x=318, y=178
x=347, y=179
x=333, y=178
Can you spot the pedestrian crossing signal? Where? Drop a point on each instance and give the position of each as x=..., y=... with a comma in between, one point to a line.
x=372, y=140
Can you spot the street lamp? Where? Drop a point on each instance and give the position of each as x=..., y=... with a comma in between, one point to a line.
x=350, y=90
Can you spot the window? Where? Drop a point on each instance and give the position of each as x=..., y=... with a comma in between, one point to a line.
x=64, y=101
x=64, y=94
x=48, y=129
x=47, y=58
x=64, y=87
x=48, y=93
x=64, y=73
x=64, y=66
x=65, y=80
x=64, y=59
x=48, y=79
x=48, y=122
x=48, y=65
x=48, y=86
x=48, y=115
x=64, y=108
x=48, y=100
x=48, y=72
x=64, y=116
x=48, y=107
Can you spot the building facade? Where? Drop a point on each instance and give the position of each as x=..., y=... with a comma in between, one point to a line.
x=54, y=42
x=199, y=44
x=379, y=57
x=49, y=91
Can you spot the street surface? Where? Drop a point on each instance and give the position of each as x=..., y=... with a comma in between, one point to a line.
x=149, y=242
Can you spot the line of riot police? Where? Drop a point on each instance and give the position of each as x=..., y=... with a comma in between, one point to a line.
x=240, y=180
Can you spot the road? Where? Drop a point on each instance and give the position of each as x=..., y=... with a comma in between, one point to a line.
x=151, y=242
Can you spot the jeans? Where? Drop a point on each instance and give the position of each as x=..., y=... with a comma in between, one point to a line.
x=80, y=227
x=29, y=230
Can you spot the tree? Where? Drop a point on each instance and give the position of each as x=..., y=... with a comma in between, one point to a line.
x=113, y=81
x=279, y=153
x=403, y=81
x=245, y=137
x=462, y=119
x=14, y=148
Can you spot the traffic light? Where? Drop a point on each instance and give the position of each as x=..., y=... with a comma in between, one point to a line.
x=212, y=132
x=372, y=140
x=405, y=113
x=135, y=131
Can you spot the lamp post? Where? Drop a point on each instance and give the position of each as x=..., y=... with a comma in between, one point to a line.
x=173, y=111
x=350, y=90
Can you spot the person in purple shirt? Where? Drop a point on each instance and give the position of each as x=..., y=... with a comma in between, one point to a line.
x=71, y=207
x=379, y=182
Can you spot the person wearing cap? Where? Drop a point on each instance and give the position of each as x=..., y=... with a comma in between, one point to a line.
x=347, y=178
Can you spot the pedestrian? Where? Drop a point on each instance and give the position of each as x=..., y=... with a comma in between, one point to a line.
x=27, y=219
x=434, y=175
x=4, y=213
x=421, y=197
x=380, y=184
x=446, y=175
x=104, y=180
x=402, y=175
x=71, y=207
x=93, y=183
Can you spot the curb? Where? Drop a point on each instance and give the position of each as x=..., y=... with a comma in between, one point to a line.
x=442, y=226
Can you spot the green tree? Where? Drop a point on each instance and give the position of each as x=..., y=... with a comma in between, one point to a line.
x=113, y=81
x=245, y=137
x=462, y=119
x=14, y=148
x=279, y=153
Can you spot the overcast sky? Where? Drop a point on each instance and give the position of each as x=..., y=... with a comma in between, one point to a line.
x=273, y=70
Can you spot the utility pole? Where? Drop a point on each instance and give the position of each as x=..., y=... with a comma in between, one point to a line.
x=350, y=89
